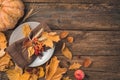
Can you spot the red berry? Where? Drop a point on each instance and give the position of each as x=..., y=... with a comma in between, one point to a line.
x=79, y=74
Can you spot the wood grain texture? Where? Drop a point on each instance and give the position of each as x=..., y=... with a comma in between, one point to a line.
x=78, y=16
x=75, y=1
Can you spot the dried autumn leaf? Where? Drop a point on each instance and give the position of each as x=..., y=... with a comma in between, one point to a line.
x=26, y=30
x=2, y=52
x=66, y=52
x=4, y=62
x=48, y=43
x=33, y=77
x=13, y=75
x=70, y=39
x=49, y=38
x=66, y=78
x=3, y=41
x=17, y=74
x=58, y=73
x=30, y=51
x=64, y=34
x=25, y=76
x=51, y=68
x=3, y=44
x=87, y=62
x=75, y=66
x=41, y=72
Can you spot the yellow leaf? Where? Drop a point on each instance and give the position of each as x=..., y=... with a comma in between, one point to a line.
x=51, y=68
x=13, y=75
x=25, y=76
x=75, y=66
x=49, y=38
x=58, y=73
x=66, y=52
x=26, y=30
x=33, y=77
x=4, y=62
x=55, y=38
x=3, y=41
x=17, y=74
x=66, y=78
x=48, y=43
x=41, y=73
x=30, y=51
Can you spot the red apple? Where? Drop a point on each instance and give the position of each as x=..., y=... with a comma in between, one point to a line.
x=79, y=74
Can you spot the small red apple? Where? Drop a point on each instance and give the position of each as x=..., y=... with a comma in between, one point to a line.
x=79, y=74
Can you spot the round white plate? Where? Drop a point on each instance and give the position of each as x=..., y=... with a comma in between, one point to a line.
x=17, y=35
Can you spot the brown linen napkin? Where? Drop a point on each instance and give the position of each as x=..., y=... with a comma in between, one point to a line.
x=19, y=54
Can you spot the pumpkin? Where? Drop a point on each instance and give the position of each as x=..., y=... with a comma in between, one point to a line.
x=10, y=12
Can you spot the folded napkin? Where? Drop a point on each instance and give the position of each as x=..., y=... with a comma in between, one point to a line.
x=19, y=54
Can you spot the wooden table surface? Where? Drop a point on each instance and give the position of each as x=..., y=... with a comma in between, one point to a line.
x=95, y=26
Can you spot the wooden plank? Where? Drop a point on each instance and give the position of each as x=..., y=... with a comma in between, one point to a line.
x=91, y=75
x=99, y=63
x=94, y=43
x=75, y=1
x=91, y=42
x=77, y=16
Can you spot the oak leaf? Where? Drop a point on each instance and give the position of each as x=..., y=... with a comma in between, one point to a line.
x=75, y=66
x=49, y=38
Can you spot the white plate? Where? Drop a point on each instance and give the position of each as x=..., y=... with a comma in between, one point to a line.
x=17, y=35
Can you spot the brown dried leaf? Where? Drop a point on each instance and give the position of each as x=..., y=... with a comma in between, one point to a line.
x=4, y=62
x=30, y=51
x=26, y=30
x=75, y=66
x=87, y=62
x=41, y=72
x=58, y=73
x=52, y=68
x=66, y=52
x=64, y=34
x=70, y=39
x=66, y=78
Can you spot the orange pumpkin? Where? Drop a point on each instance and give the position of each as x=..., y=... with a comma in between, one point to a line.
x=10, y=12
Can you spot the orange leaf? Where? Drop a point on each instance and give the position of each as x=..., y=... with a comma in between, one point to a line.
x=64, y=34
x=66, y=52
x=70, y=39
x=75, y=66
x=51, y=68
x=87, y=62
